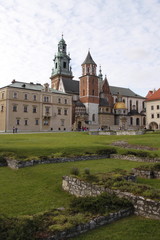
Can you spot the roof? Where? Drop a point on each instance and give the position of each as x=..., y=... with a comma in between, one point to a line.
x=154, y=96
x=103, y=102
x=31, y=86
x=79, y=104
x=149, y=94
x=89, y=59
x=124, y=92
x=71, y=86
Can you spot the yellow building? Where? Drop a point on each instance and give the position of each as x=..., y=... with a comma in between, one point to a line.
x=33, y=107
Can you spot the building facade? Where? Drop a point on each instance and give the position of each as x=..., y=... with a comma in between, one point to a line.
x=94, y=100
x=153, y=110
x=88, y=103
x=33, y=107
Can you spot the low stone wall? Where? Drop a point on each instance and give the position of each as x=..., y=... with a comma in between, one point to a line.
x=134, y=158
x=94, y=223
x=143, y=207
x=146, y=174
x=16, y=164
x=121, y=132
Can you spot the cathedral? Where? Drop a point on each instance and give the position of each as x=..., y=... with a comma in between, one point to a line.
x=96, y=104
x=89, y=103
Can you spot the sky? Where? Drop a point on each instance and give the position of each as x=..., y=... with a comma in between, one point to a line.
x=123, y=37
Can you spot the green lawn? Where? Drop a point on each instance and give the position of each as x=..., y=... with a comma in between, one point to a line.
x=36, y=189
x=74, y=142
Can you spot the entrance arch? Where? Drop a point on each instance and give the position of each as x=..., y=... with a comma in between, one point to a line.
x=153, y=126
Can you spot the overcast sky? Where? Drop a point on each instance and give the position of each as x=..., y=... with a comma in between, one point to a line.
x=123, y=37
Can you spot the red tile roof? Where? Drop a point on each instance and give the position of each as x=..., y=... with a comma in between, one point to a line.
x=154, y=96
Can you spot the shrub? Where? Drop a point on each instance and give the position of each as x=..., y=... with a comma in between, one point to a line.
x=87, y=171
x=75, y=171
x=100, y=204
x=106, y=151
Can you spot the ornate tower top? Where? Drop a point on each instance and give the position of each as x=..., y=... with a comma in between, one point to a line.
x=89, y=59
x=62, y=61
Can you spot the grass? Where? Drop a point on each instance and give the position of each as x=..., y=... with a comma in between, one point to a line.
x=130, y=228
x=74, y=142
x=37, y=189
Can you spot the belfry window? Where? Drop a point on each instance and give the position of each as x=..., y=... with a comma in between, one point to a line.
x=64, y=64
x=56, y=66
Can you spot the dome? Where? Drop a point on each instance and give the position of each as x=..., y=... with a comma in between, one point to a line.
x=120, y=105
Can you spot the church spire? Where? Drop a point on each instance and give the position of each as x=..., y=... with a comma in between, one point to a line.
x=100, y=73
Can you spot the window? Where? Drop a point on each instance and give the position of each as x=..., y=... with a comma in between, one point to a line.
x=137, y=121
x=47, y=110
x=124, y=100
x=18, y=122
x=65, y=101
x=34, y=97
x=36, y=121
x=131, y=121
x=152, y=115
x=93, y=117
x=2, y=108
x=157, y=106
x=64, y=64
x=46, y=122
x=14, y=95
x=59, y=100
x=93, y=92
x=25, y=96
x=59, y=111
x=25, y=108
x=158, y=115
x=107, y=109
x=2, y=95
x=152, y=107
x=46, y=99
x=65, y=111
x=26, y=122
x=137, y=105
x=34, y=109
x=130, y=103
x=14, y=108
x=83, y=92
x=62, y=122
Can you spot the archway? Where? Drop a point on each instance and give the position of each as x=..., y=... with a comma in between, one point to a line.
x=153, y=126
x=79, y=125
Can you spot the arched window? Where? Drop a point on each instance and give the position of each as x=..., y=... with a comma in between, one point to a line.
x=130, y=103
x=137, y=105
x=131, y=121
x=93, y=117
x=137, y=121
x=83, y=92
x=144, y=121
x=93, y=92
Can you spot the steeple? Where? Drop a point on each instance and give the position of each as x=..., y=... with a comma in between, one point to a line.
x=89, y=66
x=61, y=65
x=100, y=75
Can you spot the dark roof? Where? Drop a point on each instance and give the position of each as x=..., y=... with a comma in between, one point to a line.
x=71, y=86
x=103, y=102
x=31, y=86
x=79, y=104
x=124, y=92
x=133, y=112
x=89, y=59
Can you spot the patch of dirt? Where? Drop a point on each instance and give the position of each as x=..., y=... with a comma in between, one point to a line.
x=125, y=144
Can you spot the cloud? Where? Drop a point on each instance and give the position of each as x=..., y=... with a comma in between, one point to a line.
x=123, y=36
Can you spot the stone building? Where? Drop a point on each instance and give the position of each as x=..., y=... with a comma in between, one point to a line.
x=95, y=102
x=153, y=109
x=33, y=107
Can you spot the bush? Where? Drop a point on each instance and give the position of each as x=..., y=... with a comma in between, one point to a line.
x=87, y=171
x=75, y=171
x=100, y=204
x=106, y=151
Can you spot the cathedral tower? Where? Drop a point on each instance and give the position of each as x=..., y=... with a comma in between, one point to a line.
x=89, y=92
x=62, y=67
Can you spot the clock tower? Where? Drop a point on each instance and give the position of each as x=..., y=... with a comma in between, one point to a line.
x=62, y=67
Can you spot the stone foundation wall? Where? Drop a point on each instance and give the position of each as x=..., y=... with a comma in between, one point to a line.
x=134, y=158
x=146, y=174
x=94, y=223
x=15, y=164
x=143, y=207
